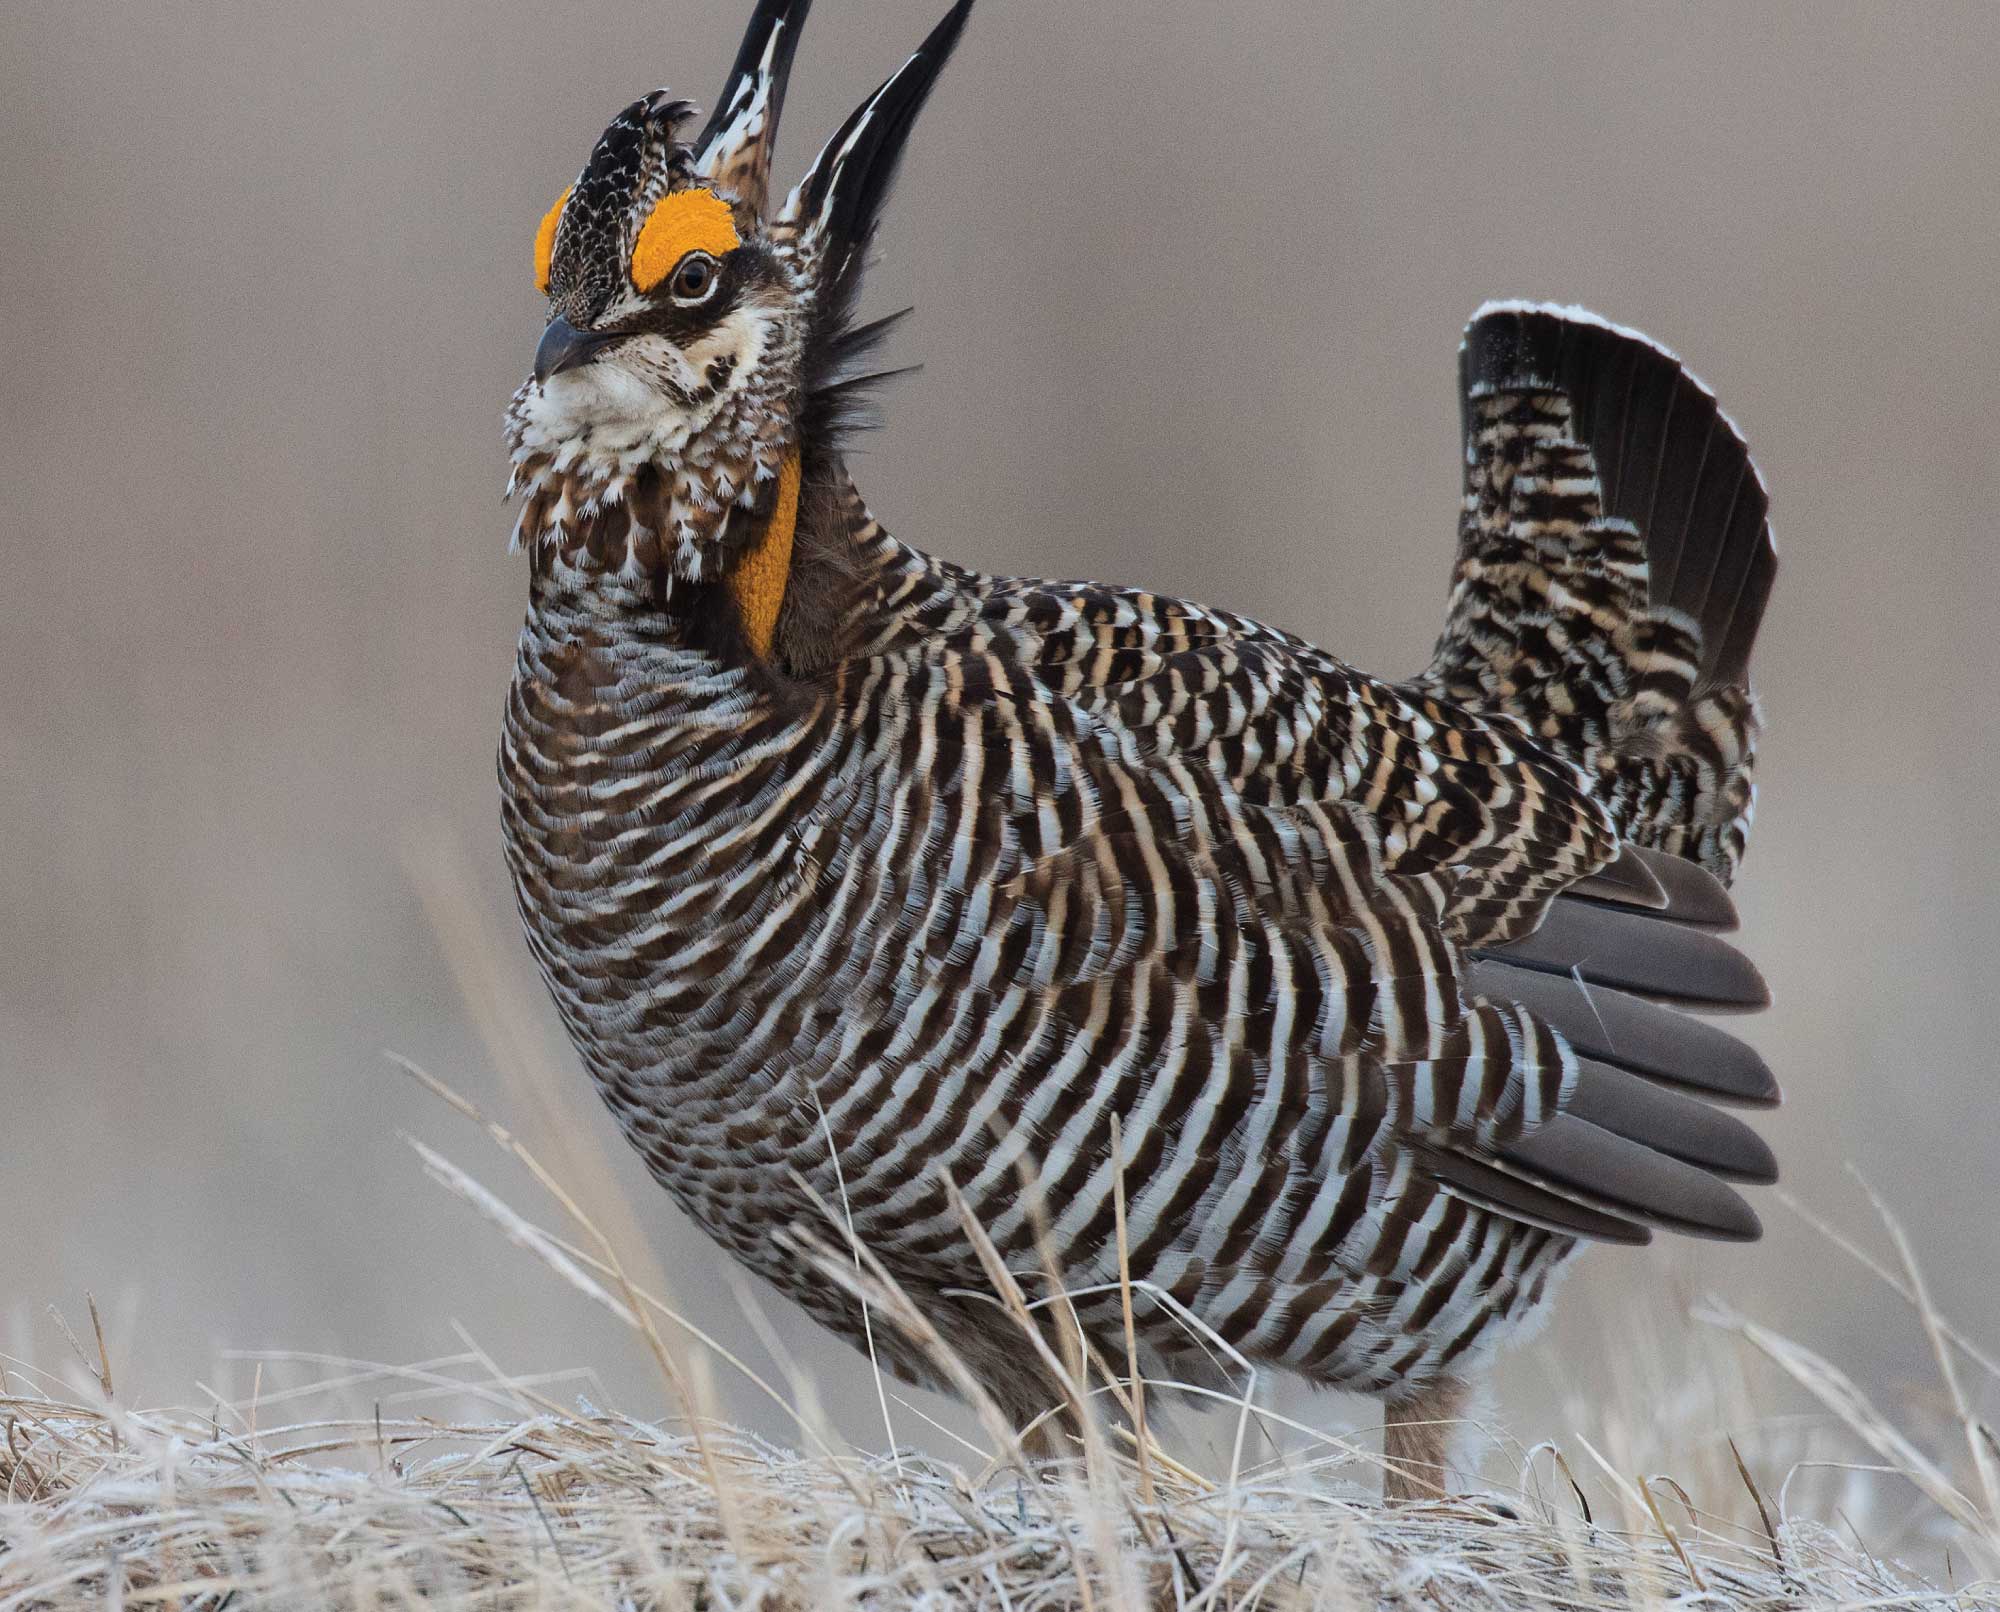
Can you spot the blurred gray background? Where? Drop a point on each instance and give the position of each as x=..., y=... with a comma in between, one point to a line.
x=1189, y=280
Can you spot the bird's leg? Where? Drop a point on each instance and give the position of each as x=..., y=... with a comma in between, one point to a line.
x=1048, y=1440
x=1418, y=1436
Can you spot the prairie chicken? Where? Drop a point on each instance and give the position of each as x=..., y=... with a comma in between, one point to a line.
x=852, y=870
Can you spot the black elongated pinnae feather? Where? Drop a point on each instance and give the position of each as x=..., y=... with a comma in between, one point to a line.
x=840, y=201
x=841, y=196
x=786, y=18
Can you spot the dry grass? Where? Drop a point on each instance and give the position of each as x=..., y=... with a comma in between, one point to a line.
x=531, y=1503
x=577, y=1509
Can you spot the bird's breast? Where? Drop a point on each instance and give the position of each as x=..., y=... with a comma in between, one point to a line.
x=656, y=808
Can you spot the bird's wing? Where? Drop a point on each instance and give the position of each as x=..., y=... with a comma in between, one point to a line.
x=1276, y=720
x=1283, y=1021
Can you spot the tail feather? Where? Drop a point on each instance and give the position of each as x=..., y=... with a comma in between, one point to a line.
x=1669, y=461
x=1614, y=561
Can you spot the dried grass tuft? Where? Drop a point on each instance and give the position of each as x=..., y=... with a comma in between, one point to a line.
x=548, y=1509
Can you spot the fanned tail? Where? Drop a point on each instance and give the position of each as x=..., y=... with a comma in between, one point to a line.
x=1614, y=561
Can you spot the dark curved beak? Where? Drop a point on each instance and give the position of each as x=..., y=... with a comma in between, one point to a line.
x=563, y=347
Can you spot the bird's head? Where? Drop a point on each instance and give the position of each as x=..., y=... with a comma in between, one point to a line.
x=697, y=335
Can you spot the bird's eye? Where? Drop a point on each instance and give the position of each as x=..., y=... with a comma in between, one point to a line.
x=695, y=277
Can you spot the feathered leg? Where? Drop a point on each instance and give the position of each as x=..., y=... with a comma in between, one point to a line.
x=1419, y=1435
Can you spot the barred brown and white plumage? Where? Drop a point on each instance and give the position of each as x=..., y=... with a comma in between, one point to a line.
x=853, y=871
